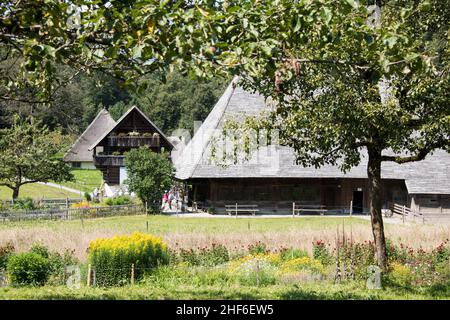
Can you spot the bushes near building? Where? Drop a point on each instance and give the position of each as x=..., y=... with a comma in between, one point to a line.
x=118, y=201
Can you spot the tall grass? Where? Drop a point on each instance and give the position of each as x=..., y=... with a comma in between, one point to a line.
x=235, y=234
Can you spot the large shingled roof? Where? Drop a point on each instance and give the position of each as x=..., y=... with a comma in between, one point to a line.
x=430, y=176
x=80, y=152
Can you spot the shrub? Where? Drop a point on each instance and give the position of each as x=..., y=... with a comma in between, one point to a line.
x=215, y=255
x=87, y=196
x=118, y=201
x=400, y=274
x=321, y=253
x=112, y=258
x=28, y=268
x=24, y=204
x=40, y=250
x=189, y=256
x=257, y=248
x=57, y=262
x=5, y=252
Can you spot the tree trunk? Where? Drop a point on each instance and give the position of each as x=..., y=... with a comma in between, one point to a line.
x=374, y=175
x=15, y=194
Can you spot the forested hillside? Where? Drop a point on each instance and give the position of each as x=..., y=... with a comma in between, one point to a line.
x=173, y=101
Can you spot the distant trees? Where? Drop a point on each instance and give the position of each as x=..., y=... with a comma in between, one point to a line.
x=29, y=153
x=175, y=101
x=149, y=175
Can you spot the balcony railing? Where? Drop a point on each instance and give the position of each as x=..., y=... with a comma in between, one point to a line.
x=130, y=141
x=109, y=160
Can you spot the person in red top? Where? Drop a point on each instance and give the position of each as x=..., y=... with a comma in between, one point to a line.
x=165, y=199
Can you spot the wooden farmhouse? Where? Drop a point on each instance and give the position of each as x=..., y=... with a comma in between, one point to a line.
x=272, y=180
x=79, y=155
x=133, y=130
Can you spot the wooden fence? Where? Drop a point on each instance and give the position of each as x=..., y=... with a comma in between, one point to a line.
x=55, y=202
x=406, y=213
x=59, y=213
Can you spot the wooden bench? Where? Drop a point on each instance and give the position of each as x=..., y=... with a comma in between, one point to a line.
x=241, y=208
x=298, y=209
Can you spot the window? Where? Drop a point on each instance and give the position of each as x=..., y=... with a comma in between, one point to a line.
x=76, y=164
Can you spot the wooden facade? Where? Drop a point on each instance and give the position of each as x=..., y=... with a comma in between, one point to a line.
x=430, y=203
x=132, y=130
x=276, y=195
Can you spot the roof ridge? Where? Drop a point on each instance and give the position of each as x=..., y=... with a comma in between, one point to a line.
x=199, y=134
x=233, y=84
x=103, y=110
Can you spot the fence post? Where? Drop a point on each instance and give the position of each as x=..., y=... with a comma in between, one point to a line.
x=351, y=208
x=403, y=213
x=132, y=273
x=236, y=210
x=89, y=275
x=293, y=209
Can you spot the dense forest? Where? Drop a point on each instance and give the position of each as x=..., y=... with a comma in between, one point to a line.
x=171, y=101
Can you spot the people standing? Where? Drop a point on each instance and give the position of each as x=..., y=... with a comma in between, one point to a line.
x=171, y=198
x=165, y=200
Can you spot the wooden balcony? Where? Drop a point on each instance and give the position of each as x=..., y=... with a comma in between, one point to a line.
x=109, y=160
x=133, y=141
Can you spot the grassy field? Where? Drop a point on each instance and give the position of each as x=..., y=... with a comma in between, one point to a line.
x=197, y=290
x=37, y=191
x=85, y=180
x=236, y=234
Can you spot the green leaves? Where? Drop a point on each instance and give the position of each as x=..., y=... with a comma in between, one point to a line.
x=149, y=175
x=352, y=3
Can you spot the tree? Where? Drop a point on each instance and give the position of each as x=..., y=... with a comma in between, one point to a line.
x=28, y=154
x=149, y=175
x=123, y=38
x=342, y=84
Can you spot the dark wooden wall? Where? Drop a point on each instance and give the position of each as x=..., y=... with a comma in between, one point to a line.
x=278, y=193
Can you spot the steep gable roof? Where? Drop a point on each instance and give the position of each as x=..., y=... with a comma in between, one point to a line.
x=431, y=175
x=133, y=108
x=80, y=152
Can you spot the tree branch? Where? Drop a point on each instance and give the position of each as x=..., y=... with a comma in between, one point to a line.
x=417, y=157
